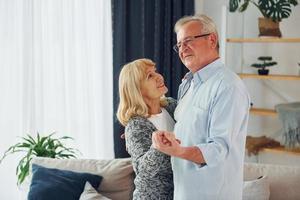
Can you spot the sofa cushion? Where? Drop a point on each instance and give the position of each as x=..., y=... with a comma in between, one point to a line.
x=90, y=193
x=49, y=183
x=284, y=180
x=258, y=189
x=117, y=174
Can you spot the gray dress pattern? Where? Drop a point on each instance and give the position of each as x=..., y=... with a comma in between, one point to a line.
x=154, y=176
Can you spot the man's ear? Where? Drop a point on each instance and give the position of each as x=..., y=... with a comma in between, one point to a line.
x=213, y=38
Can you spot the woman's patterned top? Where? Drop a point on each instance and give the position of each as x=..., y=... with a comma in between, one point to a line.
x=154, y=177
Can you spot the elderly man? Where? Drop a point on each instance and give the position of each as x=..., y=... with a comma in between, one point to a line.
x=208, y=143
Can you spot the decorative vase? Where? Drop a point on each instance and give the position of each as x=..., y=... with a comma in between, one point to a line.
x=263, y=71
x=267, y=27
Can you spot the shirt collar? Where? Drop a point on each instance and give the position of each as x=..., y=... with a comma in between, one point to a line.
x=206, y=72
x=188, y=76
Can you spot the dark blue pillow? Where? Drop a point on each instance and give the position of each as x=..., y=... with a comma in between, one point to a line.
x=56, y=184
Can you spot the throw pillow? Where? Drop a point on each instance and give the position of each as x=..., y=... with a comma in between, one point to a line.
x=49, y=183
x=118, y=175
x=283, y=179
x=89, y=193
x=258, y=189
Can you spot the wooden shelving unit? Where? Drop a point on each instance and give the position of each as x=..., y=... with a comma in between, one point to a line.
x=283, y=150
x=270, y=76
x=263, y=112
x=263, y=39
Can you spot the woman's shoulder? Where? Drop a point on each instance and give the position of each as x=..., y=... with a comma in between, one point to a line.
x=171, y=101
x=171, y=105
x=138, y=123
x=137, y=120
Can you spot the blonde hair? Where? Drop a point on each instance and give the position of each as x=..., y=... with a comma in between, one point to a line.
x=131, y=100
x=208, y=25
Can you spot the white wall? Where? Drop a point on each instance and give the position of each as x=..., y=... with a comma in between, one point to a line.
x=263, y=93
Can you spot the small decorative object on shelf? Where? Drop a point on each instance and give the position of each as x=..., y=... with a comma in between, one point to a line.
x=273, y=12
x=256, y=144
x=289, y=114
x=267, y=62
x=299, y=69
x=41, y=146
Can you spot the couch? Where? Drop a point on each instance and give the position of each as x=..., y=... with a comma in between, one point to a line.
x=118, y=175
x=283, y=181
x=262, y=181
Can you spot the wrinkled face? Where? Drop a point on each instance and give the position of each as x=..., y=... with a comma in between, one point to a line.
x=194, y=52
x=153, y=86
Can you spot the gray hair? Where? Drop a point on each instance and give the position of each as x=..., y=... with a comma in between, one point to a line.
x=208, y=25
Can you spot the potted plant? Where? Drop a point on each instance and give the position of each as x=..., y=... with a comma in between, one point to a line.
x=267, y=62
x=40, y=146
x=273, y=11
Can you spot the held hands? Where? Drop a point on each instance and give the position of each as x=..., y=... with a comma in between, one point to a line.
x=166, y=142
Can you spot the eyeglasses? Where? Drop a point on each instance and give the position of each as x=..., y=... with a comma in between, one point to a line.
x=187, y=41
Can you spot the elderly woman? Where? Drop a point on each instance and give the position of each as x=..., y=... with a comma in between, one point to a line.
x=144, y=109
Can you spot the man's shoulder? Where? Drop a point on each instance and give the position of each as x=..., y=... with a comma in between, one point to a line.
x=227, y=77
x=226, y=80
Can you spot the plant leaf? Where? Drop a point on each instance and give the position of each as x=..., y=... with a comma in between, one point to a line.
x=293, y=2
x=263, y=58
x=244, y=6
x=233, y=5
x=44, y=146
x=276, y=9
x=31, y=138
x=24, y=172
x=28, y=140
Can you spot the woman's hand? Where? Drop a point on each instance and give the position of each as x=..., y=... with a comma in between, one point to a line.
x=166, y=142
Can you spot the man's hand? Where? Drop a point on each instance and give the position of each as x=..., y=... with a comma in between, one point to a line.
x=166, y=142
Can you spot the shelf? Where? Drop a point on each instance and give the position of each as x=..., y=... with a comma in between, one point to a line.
x=263, y=39
x=282, y=150
x=263, y=111
x=270, y=76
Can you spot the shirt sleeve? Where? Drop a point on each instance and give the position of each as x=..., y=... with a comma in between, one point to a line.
x=230, y=109
x=148, y=161
x=172, y=103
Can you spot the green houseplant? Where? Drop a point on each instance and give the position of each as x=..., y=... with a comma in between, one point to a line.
x=41, y=146
x=267, y=62
x=273, y=11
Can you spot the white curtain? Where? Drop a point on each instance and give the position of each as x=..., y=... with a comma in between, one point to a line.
x=55, y=75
